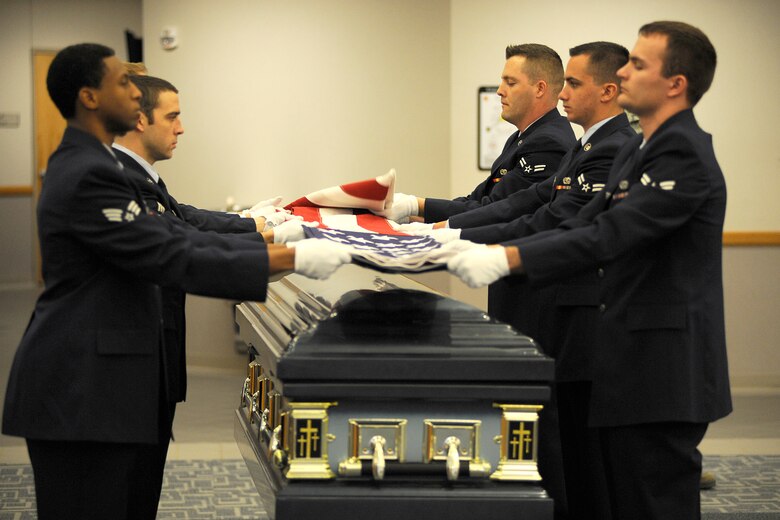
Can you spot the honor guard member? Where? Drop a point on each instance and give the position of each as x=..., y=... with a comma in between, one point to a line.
x=557, y=317
x=87, y=385
x=530, y=83
x=653, y=238
x=153, y=139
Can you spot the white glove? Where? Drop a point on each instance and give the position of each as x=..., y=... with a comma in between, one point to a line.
x=415, y=228
x=275, y=219
x=261, y=211
x=275, y=201
x=319, y=258
x=480, y=266
x=444, y=235
x=291, y=231
x=462, y=245
x=450, y=249
x=404, y=206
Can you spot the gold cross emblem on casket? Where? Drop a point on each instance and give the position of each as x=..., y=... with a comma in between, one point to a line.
x=308, y=440
x=521, y=438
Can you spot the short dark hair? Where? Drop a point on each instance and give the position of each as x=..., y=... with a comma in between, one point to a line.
x=604, y=60
x=688, y=52
x=541, y=62
x=150, y=88
x=74, y=67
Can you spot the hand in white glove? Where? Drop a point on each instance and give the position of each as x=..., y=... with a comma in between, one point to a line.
x=415, y=228
x=462, y=245
x=319, y=258
x=480, y=266
x=444, y=235
x=275, y=201
x=291, y=231
x=403, y=207
x=450, y=249
x=275, y=219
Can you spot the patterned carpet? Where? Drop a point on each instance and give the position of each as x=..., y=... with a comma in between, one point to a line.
x=748, y=488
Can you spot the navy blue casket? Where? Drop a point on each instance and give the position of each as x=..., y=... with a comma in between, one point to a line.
x=371, y=396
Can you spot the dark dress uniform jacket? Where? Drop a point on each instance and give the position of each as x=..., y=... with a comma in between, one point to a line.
x=88, y=366
x=552, y=315
x=581, y=174
x=653, y=238
x=524, y=161
x=159, y=200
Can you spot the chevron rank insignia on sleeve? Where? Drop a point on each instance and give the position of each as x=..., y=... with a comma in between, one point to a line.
x=664, y=185
x=588, y=187
x=119, y=215
x=528, y=168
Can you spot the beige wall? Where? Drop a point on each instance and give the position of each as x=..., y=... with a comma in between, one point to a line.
x=283, y=98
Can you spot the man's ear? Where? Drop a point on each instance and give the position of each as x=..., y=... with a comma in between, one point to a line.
x=678, y=86
x=88, y=98
x=608, y=92
x=541, y=88
x=142, y=123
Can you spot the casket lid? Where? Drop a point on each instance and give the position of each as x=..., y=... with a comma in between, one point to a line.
x=389, y=328
x=405, y=334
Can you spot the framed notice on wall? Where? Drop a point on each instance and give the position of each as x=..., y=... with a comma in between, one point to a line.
x=492, y=131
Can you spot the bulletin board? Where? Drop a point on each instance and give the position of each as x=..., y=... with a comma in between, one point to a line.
x=492, y=131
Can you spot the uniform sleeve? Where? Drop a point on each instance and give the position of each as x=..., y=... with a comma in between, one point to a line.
x=516, y=205
x=109, y=221
x=218, y=221
x=583, y=183
x=674, y=183
x=533, y=167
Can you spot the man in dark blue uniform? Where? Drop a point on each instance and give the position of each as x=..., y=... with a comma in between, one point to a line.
x=554, y=315
x=153, y=139
x=530, y=83
x=653, y=239
x=88, y=382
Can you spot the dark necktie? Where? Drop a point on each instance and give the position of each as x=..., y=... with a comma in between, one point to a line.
x=170, y=204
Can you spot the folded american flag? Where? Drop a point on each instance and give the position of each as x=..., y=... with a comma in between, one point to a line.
x=375, y=242
x=392, y=253
x=374, y=194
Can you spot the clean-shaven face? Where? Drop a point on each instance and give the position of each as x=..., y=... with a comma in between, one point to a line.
x=643, y=87
x=119, y=99
x=160, y=137
x=516, y=91
x=581, y=93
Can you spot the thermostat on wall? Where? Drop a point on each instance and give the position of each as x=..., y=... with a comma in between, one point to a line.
x=169, y=39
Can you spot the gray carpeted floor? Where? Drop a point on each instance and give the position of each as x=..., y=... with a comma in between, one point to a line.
x=748, y=489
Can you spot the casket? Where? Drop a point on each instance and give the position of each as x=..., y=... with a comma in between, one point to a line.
x=369, y=395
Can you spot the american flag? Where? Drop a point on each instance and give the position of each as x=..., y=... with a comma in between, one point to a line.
x=375, y=194
x=391, y=253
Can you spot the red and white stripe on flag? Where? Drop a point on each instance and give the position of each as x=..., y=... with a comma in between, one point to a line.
x=346, y=220
x=373, y=194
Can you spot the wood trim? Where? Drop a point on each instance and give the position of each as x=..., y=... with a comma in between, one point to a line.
x=751, y=238
x=15, y=191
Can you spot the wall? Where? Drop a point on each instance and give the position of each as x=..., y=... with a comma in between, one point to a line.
x=284, y=98
x=26, y=25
